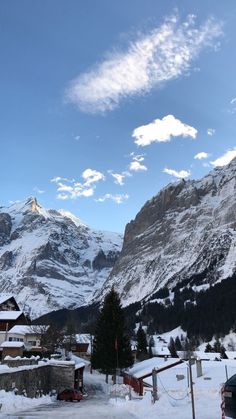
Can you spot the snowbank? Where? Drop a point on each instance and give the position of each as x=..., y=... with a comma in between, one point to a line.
x=13, y=403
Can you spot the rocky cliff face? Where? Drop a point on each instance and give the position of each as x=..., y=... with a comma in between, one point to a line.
x=185, y=235
x=49, y=259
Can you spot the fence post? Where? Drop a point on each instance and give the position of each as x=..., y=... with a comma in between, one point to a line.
x=191, y=388
x=154, y=385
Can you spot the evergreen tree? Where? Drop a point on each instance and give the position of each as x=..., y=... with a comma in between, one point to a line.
x=178, y=344
x=172, y=348
x=151, y=346
x=111, y=345
x=217, y=345
x=223, y=352
x=208, y=348
x=141, y=343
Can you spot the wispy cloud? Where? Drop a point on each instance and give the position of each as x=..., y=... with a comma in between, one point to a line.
x=136, y=165
x=37, y=190
x=202, y=155
x=178, y=174
x=70, y=189
x=118, y=198
x=137, y=157
x=119, y=177
x=163, y=54
x=232, y=108
x=161, y=130
x=57, y=179
x=225, y=158
x=211, y=131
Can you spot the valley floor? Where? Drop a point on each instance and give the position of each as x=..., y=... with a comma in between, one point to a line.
x=174, y=399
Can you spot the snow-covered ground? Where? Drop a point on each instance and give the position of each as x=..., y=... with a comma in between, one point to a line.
x=174, y=399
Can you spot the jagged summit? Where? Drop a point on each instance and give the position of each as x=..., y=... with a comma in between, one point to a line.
x=187, y=231
x=50, y=259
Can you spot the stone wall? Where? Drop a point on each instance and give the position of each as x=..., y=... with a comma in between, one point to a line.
x=46, y=377
x=19, y=362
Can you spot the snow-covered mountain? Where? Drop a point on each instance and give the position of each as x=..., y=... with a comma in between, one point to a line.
x=50, y=259
x=185, y=235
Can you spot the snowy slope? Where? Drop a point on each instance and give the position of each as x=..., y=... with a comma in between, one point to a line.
x=50, y=259
x=184, y=235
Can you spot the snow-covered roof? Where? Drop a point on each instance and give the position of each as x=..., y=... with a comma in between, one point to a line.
x=160, y=350
x=5, y=297
x=141, y=369
x=12, y=344
x=79, y=362
x=27, y=329
x=231, y=354
x=83, y=338
x=10, y=315
x=211, y=356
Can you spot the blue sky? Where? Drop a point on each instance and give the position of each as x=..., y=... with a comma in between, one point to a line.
x=103, y=103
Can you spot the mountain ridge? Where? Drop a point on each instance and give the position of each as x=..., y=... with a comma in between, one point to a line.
x=187, y=229
x=51, y=259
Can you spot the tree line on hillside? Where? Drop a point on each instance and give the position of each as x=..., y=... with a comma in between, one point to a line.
x=201, y=314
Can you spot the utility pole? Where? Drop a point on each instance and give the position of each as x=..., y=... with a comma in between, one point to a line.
x=191, y=388
x=91, y=344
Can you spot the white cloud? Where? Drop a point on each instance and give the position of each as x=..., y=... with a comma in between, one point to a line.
x=37, y=190
x=161, y=130
x=70, y=189
x=57, y=179
x=119, y=177
x=92, y=176
x=62, y=196
x=137, y=166
x=225, y=158
x=137, y=157
x=233, y=101
x=164, y=53
x=211, y=131
x=201, y=155
x=119, y=198
x=175, y=173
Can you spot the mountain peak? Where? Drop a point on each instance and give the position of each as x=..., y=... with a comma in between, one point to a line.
x=49, y=259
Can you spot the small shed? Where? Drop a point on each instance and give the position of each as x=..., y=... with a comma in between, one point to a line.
x=82, y=345
x=79, y=372
x=136, y=375
x=12, y=349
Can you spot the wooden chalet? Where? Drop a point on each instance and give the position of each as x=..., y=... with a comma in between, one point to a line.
x=8, y=319
x=8, y=303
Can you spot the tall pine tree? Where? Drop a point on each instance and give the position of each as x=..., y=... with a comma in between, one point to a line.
x=111, y=345
x=141, y=343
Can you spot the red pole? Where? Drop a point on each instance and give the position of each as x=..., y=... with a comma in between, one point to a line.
x=222, y=403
